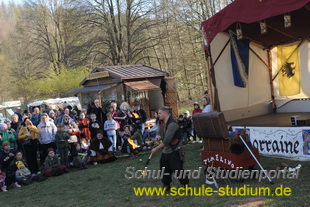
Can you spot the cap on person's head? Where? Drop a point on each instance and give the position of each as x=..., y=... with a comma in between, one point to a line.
x=74, y=112
x=196, y=103
x=186, y=112
x=137, y=104
x=51, y=112
x=3, y=126
x=6, y=143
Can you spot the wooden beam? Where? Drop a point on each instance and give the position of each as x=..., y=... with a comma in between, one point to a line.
x=267, y=65
x=211, y=72
x=251, y=40
x=307, y=6
x=274, y=106
x=282, y=32
x=221, y=52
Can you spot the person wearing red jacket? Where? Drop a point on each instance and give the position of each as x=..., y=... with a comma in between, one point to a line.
x=197, y=108
x=84, y=124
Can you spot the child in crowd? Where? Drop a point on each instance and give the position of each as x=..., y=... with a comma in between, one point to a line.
x=110, y=128
x=100, y=149
x=61, y=139
x=136, y=135
x=3, y=187
x=152, y=131
x=125, y=135
x=84, y=145
x=84, y=125
x=6, y=135
x=11, y=132
x=183, y=127
x=70, y=127
x=134, y=141
x=52, y=165
x=22, y=174
x=80, y=159
x=94, y=126
x=127, y=130
x=189, y=126
x=197, y=109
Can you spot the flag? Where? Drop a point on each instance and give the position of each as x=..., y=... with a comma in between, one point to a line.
x=239, y=55
x=289, y=70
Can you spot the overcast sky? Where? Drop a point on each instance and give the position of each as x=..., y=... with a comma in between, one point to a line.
x=15, y=1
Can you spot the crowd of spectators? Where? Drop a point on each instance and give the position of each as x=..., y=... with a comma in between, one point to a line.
x=50, y=142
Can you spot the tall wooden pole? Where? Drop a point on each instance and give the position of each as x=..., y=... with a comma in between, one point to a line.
x=210, y=88
x=274, y=106
x=215, y=103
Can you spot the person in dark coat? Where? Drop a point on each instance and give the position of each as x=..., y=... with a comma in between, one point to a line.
x=100, y=149
x=100, y=114
x=139, y=117
x=7, y=155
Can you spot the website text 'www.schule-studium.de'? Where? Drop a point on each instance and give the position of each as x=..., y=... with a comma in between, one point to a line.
x=203, y=190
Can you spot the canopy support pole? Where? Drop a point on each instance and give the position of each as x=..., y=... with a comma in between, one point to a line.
x=208, y=77
x=282, y=32
x=218, y=57
x=214, y=99
x=267, y=65
x=125, y=93
x=274, y=106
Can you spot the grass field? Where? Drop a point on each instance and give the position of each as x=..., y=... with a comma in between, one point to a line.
x=106, y=185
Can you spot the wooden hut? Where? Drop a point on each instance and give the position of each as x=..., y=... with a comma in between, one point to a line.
x=152, y=87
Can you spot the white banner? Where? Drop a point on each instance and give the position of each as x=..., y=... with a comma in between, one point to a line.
x=289, y=142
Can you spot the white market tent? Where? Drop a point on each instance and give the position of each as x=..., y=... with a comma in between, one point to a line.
x=57, y=102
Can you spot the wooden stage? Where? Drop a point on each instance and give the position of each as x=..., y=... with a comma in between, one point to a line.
x=270, y=120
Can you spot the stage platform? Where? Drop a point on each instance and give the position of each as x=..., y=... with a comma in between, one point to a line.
x=270, y=120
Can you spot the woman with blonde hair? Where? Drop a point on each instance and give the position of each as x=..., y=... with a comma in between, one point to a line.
x=29, y=135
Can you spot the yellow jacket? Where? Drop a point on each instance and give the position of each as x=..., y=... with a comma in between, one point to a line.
x=23, y=132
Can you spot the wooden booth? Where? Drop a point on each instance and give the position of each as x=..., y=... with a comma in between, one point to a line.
x=152, y=87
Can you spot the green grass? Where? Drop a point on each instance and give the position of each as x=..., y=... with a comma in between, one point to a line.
x=106, y=185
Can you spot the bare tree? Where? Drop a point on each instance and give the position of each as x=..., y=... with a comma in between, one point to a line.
x=55, y=29
x=123, y=27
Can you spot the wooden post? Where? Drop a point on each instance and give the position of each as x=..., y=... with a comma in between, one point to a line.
x=99, y=98
x=209, y=79
x=79, y=95
x=125, y=92
x=215, y=103
x=274, y=106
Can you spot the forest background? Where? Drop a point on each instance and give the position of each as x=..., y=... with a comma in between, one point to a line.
x=47, y=47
